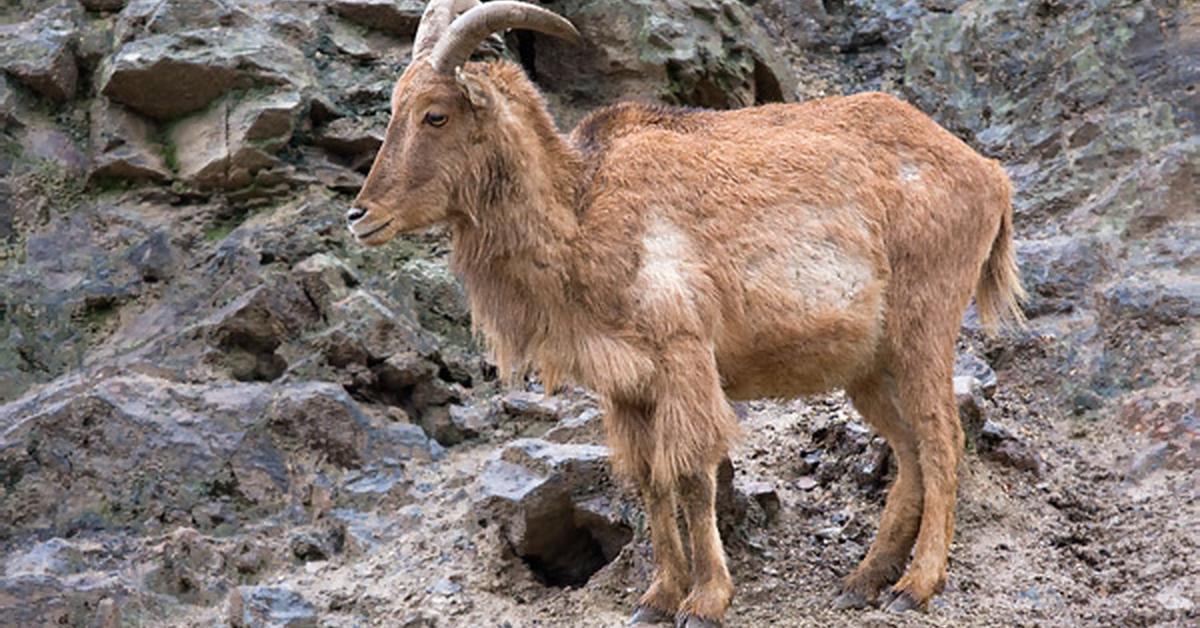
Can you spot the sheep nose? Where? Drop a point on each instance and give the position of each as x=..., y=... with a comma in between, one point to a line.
x=355, y=214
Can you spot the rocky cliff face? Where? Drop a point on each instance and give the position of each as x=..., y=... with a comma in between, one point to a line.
x=215, y=406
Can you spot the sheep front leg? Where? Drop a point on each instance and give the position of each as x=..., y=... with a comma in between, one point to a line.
x=712, y=586
x=661, y=601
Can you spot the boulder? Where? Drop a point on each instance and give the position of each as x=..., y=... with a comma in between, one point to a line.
x=355, y=138
x=135, y=450
x=40, y=53
x=270, y=607
x=442, y=301
x=326, y=280
x=124, y=145
x=168, y=76
x=1165, y=299
x=227, y=145
x=1107, y=86
x=700, y=53
x=330, y=172
x=474, y=421
x=349, y=41
x=155, y=17
x=557, y=508
x=520, y=404
x=79, y=269
x=398, y=17
x=247, y=332
x=585, y=426
x=86, y=600
x=762, y=493
x=1061, y=273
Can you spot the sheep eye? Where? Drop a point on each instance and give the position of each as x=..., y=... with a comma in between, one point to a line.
x=435, y=119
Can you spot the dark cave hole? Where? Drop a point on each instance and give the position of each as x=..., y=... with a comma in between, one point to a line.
x=766, y=87
x=566, y=546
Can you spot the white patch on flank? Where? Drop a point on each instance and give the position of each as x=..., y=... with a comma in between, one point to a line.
x=665, y=250
x=825, y=276
x=808, y=272
x=909, y=172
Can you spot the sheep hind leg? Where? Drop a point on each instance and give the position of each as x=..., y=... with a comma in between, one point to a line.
x=662, y=600
x=940, y=442
x=877, y=401
x=712, y=586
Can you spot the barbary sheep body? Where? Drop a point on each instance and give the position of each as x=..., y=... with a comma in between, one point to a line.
x=672, y=260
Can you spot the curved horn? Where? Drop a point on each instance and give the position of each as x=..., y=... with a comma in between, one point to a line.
x=471, y=28
x=435, y=20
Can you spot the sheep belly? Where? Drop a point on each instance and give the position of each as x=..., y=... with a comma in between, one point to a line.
x=809, y=320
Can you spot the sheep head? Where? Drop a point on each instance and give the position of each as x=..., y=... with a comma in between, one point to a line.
x=441, y=120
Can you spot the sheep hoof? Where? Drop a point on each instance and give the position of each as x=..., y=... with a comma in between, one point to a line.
x=849, y=600
x=902, y=603
x=649, y=615
x=692, y=621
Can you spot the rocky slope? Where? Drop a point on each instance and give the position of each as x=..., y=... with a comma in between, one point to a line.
x=217, y=408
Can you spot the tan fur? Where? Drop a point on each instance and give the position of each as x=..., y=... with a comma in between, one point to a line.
x=674, y=259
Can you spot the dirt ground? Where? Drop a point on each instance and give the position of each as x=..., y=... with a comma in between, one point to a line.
x=1083, y=544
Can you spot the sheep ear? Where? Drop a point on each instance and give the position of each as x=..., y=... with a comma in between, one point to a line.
x=474, y=88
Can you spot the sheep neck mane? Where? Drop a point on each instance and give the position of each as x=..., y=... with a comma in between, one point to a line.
x=513, y=241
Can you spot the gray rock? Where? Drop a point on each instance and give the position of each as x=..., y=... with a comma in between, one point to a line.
x=168, y=76
x=871, y=473
x=28, y=600
x=1110, y=64
x=123, y=145
x=59, y=150
x=398, y=17
x=189, y=567
x=520, y=404
x=126, y=449
x=248, y=331
x=56, y=557
x=95, y=43
x=763, y=494
x=474, y=421
x=702, y=53
x=556, y=507
x=355, y=138
x=584, y=427
x=349, y=41
x=1061, y=273
x=228, y=144
x=331, y=173
x=971, y=365
x=444, y=308
x=270, y=607
x=326, y=279
x=155, y=17
x=998, y=444
x=40, y=52
x=314, y=545
x=1152, y=301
